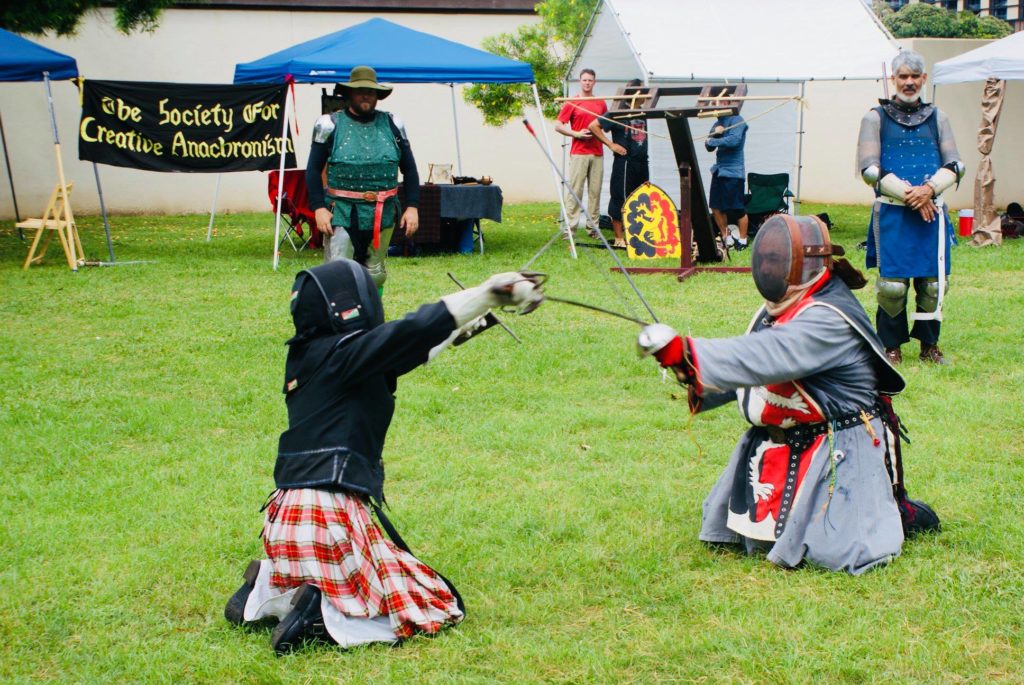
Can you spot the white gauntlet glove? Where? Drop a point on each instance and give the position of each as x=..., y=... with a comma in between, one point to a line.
x=522, y=290
x=517, y=289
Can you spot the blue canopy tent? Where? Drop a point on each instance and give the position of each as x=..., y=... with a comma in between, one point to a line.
x=22, y=60
x=397, y=53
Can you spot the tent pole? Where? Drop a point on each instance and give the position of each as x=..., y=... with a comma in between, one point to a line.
x=103, y=211
x=799, y=147
x=554, y=172
x=10, y=178
x=458, y=149
x=213, y=209
x=60, y=174
x=280, y=176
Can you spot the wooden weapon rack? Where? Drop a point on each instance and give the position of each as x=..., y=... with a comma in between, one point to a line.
x=695, y=222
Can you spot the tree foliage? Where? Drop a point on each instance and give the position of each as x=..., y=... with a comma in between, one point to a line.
x=920, y=20
x=63, y=16
x=547, y=46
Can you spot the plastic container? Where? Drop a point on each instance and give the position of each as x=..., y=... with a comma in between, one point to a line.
x=965, y=220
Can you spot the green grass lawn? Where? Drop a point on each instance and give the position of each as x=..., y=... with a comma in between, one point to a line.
x=558, y=483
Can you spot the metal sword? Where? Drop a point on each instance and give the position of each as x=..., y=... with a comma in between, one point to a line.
x=594, y=308
x=615, y=257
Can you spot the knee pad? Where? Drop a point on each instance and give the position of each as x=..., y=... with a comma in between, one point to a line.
x=891, y=294
x=928, y=294
x=378, y=272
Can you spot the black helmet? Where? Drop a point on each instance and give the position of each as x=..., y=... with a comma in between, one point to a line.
x=335, y=298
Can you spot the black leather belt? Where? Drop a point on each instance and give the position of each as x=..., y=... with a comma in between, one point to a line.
x=800, y=437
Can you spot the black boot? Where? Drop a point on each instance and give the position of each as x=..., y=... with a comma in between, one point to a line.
x=917, y=517
x=235, y=609
x=304, y=623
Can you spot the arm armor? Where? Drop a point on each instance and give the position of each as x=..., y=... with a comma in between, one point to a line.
x=323, y=128
x=942, y=179
x=399, y=125
x=871, y=174
x=893, y=186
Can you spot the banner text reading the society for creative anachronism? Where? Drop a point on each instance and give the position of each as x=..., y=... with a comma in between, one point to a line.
x=183, y=127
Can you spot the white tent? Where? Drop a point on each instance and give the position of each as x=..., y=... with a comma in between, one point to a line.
x=774, y=46
x=994, y=63
x=1001, y=59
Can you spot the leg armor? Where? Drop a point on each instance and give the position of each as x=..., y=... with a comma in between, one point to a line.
x=892, y=295
x=375, y=258
x=339, y=245
x=928, y=293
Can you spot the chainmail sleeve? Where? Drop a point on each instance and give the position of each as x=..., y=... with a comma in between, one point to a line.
x=947, y=144
x=869, y=142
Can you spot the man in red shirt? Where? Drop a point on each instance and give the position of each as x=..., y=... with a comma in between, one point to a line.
x=585, y=156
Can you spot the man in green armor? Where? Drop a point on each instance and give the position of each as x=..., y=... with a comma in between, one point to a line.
x=363, y=150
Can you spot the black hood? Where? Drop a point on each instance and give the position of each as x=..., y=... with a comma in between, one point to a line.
x=329, y=303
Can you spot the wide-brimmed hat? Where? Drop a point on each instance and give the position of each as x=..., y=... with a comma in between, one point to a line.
x=366, y=77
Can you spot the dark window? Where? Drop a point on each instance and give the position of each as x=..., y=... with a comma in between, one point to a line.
x=997, y=8
x=973, y=5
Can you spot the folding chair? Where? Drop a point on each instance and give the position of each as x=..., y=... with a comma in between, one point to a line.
x=767, y=194
x=56, y=217
x=300, y=221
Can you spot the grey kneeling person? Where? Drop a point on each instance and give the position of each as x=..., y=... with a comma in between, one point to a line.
x=818, y=474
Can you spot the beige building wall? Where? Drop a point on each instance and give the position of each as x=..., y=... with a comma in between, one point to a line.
x=833, y=115
x=203, y=46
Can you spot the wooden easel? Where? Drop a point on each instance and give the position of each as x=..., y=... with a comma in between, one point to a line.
x=56, y=217
x=695, y=223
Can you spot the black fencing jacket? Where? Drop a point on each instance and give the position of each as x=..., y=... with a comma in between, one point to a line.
x=339, y=414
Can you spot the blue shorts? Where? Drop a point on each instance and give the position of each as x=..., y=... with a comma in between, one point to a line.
x=726, y=193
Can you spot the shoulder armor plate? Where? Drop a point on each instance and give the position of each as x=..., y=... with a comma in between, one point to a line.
x=323, y=128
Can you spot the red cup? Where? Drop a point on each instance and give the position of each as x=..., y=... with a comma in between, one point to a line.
x=965, y=219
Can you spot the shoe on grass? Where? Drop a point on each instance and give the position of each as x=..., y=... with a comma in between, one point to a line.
x=234, y=612
x=304, y=623
x=894, y=355
x=932, y=353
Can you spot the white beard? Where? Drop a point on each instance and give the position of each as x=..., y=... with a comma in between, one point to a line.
x=908, y=100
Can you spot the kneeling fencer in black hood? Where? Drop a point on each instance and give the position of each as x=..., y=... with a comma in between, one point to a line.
x=818, y=475
x=330, y=572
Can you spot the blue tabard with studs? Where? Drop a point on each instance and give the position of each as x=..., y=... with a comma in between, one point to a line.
x=900, y=243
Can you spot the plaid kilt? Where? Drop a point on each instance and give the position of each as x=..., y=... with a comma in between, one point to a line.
x=329, y=539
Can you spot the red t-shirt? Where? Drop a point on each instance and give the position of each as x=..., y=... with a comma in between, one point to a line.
x=578, y=114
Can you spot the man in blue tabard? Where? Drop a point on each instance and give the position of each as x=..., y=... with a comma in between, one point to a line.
x=907, y=153
x=363, y=150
